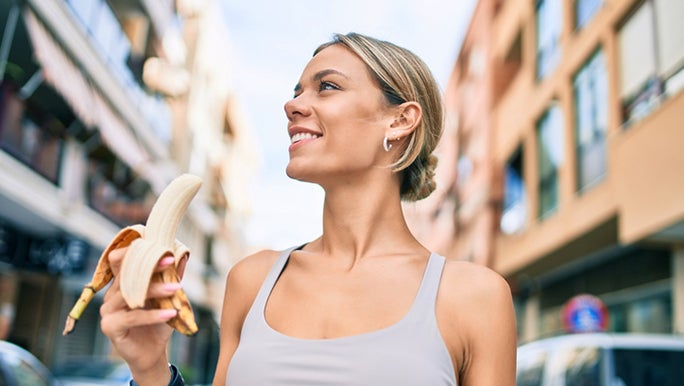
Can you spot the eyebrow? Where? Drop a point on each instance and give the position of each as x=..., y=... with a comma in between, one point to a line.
x=319, y=75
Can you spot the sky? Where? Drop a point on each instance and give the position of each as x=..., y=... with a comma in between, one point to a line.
x=271, y=42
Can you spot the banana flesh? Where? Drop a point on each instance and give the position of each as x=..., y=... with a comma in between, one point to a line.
x=146, y=245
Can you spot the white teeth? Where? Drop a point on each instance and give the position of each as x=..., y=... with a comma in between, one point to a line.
x=301, y=136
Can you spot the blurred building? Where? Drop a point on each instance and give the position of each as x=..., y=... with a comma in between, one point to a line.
x=565, y=157
x=102, y=104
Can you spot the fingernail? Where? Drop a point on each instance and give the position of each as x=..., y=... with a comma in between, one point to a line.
x=166, y=261
x=167, y=313
x=171, y=287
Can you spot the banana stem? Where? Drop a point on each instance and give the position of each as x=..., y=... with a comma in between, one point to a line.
x=78, y=308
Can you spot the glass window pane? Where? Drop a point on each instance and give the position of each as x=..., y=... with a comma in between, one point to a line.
x=585, y=10
x=649, y=367
x=530, y=368
x=549, y=26
x=670, y=33
x=550, y=156
x=551, y=136
x=582, y=367
x=85, y=10
x=107, y=30
x=591, y=109
x=637, y=52
x=23, y=373
x=650, y=315
x=514, y=213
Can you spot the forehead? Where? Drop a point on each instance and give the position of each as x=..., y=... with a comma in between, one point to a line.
x=339, y=58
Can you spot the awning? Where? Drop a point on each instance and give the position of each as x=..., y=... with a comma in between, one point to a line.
x=60, y=72
x=117, y=136
x=90, y=106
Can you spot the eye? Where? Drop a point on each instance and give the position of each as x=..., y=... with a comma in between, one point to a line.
x=326, y=86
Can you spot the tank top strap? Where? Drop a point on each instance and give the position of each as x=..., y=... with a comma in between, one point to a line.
x=272, y=277
x=424, y=303
x=256, y=311
x=427, y=295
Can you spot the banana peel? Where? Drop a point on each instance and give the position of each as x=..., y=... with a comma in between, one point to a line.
x=146, y=245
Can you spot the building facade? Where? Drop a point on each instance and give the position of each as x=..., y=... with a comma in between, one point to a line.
x=576, y=109
x=102, y=104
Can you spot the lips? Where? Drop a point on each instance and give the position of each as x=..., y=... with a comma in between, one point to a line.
x=300, y=135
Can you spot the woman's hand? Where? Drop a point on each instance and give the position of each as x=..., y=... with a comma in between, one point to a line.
x=140, y=336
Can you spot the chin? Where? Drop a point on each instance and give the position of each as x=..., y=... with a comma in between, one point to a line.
x=299, y=173
x=293, y=172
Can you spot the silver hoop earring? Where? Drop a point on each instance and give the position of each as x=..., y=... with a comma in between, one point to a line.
x=386, y=145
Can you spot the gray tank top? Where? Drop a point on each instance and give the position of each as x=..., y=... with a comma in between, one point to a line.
x=410, y=352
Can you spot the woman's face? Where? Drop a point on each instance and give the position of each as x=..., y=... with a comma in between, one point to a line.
x=337, y=119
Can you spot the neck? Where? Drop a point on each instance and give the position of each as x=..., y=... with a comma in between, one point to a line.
x=361, y=220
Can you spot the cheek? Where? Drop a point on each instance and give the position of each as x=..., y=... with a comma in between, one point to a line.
x=357, y=123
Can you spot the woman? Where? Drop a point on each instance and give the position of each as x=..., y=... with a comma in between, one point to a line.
x=365, y=303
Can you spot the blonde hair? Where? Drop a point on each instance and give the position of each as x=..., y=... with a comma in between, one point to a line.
x=404, y=77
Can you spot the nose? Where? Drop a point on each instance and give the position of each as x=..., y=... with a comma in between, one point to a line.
x=297, y=106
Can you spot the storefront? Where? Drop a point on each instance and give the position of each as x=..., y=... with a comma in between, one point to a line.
x=634, y=283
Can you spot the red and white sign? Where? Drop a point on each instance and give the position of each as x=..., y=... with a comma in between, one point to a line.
x=584, y=313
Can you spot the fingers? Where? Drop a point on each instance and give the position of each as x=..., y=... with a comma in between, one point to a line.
x=117, y=324
x=114, y=300
x=117, y=318
x=116, y=256
x=164, y=262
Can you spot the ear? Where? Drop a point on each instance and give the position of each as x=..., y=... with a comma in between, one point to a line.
x=407, y=118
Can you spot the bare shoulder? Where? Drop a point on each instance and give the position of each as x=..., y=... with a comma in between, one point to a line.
x=471, y=294
x=477, y=319
x=248, y=273
x=242, y=285
x=465, y=283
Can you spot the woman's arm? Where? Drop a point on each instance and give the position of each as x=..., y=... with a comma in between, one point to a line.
x=479, y=322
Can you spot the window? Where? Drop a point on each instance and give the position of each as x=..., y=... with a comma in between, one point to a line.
x=591, y=108
x=582, y=366
x=550, y=156
x=651, y=45
x=39, y=146
x=585, y=11
x=115, y=191
x=514, y=213
x=464, y=165
x=650, y=314
x=549, y=27
x=649, y=366
x=99, y=23
x=509, y=67
x=530, y=371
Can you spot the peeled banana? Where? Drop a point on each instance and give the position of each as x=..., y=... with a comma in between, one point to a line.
x=146, y=245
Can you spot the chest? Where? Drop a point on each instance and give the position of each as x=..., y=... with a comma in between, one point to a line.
x=327, y=306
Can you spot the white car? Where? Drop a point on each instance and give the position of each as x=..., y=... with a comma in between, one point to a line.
x=19, y=367
x=602, y=359
x=92, y=371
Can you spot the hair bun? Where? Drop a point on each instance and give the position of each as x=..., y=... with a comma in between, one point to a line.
x=419, y=179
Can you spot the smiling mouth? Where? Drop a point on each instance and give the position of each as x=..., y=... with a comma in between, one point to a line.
x=302, y=136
